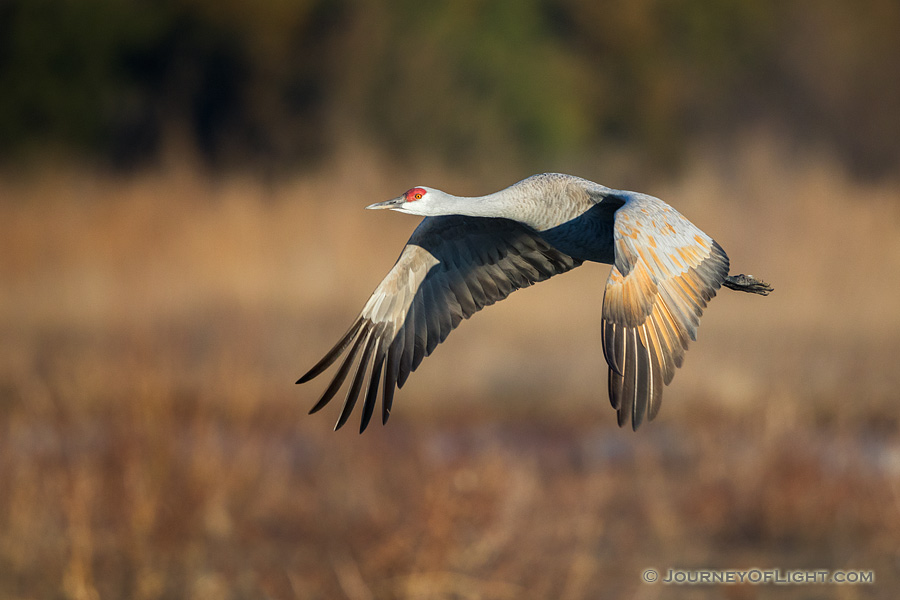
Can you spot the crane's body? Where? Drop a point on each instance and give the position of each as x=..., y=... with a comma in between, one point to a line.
x=471, y=252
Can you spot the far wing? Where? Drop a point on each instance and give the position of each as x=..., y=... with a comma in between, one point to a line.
x=665, y=272
x=452, y=267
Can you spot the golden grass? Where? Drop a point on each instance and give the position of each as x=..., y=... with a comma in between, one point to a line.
x=152, y=444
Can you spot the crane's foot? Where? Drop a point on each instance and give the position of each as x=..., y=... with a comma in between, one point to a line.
x=748, y=283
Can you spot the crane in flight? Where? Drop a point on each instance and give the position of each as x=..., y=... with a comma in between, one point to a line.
x=468, y=253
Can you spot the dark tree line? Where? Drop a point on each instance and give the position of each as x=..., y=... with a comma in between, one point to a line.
x=278, y=82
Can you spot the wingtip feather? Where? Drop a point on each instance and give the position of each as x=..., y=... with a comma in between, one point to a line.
x=335, y=352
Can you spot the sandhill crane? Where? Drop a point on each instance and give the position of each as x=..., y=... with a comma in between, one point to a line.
x=471, y=252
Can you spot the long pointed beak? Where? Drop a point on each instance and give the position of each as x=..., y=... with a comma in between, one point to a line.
x=398, y=201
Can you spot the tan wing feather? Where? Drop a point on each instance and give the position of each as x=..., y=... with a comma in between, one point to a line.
x=666, y=270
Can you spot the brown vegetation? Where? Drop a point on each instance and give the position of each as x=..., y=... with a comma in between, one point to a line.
x=153, y=445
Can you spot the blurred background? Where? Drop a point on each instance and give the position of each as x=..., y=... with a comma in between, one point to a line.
x=182, y=236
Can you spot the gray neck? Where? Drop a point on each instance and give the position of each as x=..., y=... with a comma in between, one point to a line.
x=540, y=208
x=497, y=204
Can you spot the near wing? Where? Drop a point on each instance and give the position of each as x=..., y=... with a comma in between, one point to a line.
x=451, y=267
x=665, y=272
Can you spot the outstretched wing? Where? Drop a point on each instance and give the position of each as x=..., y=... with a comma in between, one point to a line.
x=452, y=267
x=665, y=272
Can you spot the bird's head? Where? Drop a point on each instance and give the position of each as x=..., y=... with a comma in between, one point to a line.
x=421, y=201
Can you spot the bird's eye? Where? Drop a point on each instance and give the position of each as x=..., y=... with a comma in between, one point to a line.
x=418, y=196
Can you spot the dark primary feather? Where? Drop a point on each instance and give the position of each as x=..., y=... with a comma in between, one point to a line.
x=452, y=267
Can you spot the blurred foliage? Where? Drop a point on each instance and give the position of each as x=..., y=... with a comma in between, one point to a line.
x=283, y=82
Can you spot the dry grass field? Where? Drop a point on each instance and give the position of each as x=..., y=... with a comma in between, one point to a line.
x=153, y=445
